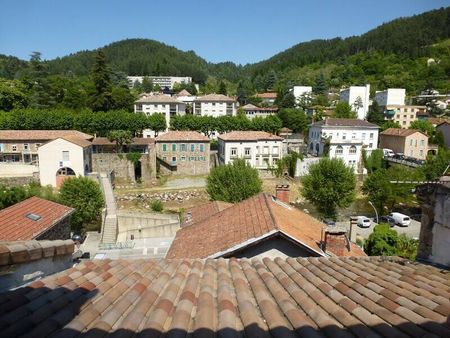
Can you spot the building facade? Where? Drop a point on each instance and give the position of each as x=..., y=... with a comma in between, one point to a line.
x=214, y=105
x=162, y=81
x=403, y=115
x=412, y=143
x=302, y=92
x=390, y=96
x=358, y=98
x=152, y=104
x=183, y=153
x=252, y=111
x=267, y=98
x=21, y=146
x=260, y=149
x=63, y=158
x=343, y=138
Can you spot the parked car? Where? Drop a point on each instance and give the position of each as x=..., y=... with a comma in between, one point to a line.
x=388, y=152
x=329, y=222
x=363, y=222
x=400, y=219
x=387, y=219
x=399, y=156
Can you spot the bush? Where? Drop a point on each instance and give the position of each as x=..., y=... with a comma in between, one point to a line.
x=83, y=194
x=156, y=205
x=233, y=182
x=382, y=241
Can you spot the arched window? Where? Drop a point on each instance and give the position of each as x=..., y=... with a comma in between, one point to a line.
x=352, y=150
x=339, y=150
x=311, y=146
x=317, y=147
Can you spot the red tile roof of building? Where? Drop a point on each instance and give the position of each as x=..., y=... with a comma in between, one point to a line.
x=158, y=98
x=303, y=297
x=437, y=120
x=250, y=220
x=269, y=95
x=78, y=141
x=16, y=226
x=203, y=211
x=214, y=98
x=41, y=135
x=184, y=92
x=249, y=136
x=400, y=132
x=179, y=136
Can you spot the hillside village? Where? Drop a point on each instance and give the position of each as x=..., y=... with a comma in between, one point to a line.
x=150, y=204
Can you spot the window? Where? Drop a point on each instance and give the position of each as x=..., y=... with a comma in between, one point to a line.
x=202, y=147
x=247, y=151
x=404, y=122
x=174, y=147
x=174, y=159
x=164, y=147
x=363, y=136
x=339, y=150
x=266, y=150
x=33, y=217
x=275, y=150
x=65, y=156
x=410, y=143
x=26, y=146
x=14, y=147
x=370, y=145
x=233, y=151
x=371, y=135
x=183, y=158
x=192, y=147
x=344, y=136
x=421, y=152
x=412, y=117
x=422, y=143
x=352, y=150
x=38, y=145
x=163, y=106
x=182, y=147
x=353, y=136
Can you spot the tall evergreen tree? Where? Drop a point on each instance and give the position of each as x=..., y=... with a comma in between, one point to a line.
x=101, y=100
x=40, y=97
x=320, y=86
x=222, y=88
x=375, y=114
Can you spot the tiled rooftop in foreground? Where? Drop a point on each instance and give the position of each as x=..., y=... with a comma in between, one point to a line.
x=305, y=297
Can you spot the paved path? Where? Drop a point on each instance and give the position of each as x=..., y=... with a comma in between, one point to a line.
x=185, y=183
x=109, y=227
x=413, y=230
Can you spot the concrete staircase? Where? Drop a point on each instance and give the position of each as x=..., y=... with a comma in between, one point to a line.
x=109, y=226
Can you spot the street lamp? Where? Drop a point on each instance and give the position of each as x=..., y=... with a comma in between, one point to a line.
x=376, y=213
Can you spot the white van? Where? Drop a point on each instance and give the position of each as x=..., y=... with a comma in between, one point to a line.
x=363, y=222
x=400, y=219
x=388, y=152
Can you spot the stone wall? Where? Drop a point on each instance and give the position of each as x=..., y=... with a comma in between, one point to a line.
x=434, y=244
x=20, y=180
x=123, y=168
x=60, y=231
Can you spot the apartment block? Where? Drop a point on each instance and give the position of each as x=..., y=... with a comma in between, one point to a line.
x=404, y=115
x=214, y=105
x=412, y=143
x=162, y=81
x=358, y=98
x=391, y=96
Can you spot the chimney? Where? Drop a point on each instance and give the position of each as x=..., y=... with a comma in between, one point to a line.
x=353, y=227
x=282, y=193
x=336, y=241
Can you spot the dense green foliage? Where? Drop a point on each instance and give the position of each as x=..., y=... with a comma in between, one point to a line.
x=329, y=185
x=386, y=195
x=436, y=165
x=344, y=111
x=120, y=138
x=287, y=164
x=100, y=123
x=233, y=182
x=294, y=119
x=374, y=161
x=384, y=241
x=223, y=124
x=13, y=195
x=83, y=194
x=156, y=205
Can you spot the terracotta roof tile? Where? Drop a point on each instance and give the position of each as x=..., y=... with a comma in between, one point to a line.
x=400, y=132
x=179, y=136
x=41, y=135
x=255, y=298
x=16, y=226
x=203, y=211
x=214, y=97
x=158, y=98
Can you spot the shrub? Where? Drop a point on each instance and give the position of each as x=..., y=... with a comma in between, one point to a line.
x=156, y=205
x=233, y=182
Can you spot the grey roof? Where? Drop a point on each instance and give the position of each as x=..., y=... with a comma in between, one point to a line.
x=335, y=122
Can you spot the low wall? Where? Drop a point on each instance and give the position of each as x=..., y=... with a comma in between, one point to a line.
x=106, y=162
x=17, y=170
x=146, y=225
x=20, y=180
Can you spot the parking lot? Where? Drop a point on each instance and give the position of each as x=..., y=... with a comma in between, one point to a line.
x=413, y=230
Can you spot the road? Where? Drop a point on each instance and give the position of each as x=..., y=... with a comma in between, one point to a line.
x=413, y=230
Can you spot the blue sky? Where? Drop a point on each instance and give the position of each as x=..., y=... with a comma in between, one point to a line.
x=242, y=31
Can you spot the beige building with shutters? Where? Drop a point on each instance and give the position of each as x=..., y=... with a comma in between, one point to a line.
x=410, y=142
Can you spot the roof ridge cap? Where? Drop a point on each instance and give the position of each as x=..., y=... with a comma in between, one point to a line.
x=269, y=207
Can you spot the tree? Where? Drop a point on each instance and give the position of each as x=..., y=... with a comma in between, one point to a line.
x=84, y=195
x=320, y=86
x=12, y=95
x=389, y=124
x=222, y=88
x=382, y=241
x=157, y=122
x=233, y=182
x=288, y=101
x=121, y=138
x=375, y=115
x=121, y=98
x=435, y=165
x=294, y=119
x=101, y=99
x=374, y=161
x=424, y=126
x=147, y=85
x=344, y=111
x=329, y=185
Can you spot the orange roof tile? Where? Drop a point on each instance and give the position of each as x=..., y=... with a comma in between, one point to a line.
x=185, y=135
x=204, y=211
x=41, y=135
x=400, y=132
x=303, y=297
x=16, y=226
x=249, y=136
x=255, y=218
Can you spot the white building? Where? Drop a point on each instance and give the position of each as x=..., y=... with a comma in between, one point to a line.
x=214, y=105
x=344, y=138
x=185, y=96
x=391, y=96
x=258, y=148
x=162, y=81
x=164, y=104
x=358, y=98
x=63, y=158
x=302, y=167
x=252, y=111
x=301, y=92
